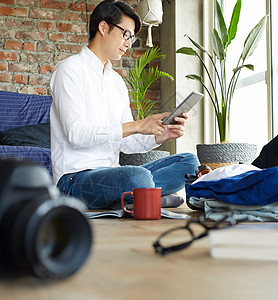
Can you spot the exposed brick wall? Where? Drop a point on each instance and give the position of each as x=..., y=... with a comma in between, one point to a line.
x=36, y=34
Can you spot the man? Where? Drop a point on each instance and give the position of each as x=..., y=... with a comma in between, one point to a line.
x=91, y=120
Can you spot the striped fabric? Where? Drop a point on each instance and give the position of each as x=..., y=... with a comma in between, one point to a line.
x=39, y=155
x=17, y=110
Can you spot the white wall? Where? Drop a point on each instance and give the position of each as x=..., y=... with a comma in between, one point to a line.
x=182, y=17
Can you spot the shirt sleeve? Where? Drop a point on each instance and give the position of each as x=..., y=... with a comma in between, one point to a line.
x=70, y=108
x=138, y=143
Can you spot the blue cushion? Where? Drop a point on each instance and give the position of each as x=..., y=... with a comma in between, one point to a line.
x=18, y=109
x=41, y=156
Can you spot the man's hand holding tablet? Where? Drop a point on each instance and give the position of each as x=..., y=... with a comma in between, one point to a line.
x=184, y=107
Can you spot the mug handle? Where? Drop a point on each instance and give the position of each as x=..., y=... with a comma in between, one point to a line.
x=123, y=203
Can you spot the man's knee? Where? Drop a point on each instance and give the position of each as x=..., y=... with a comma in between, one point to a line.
x=191, y=161
x=138, y=177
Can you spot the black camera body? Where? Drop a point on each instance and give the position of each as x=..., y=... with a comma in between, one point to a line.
x=42, y=232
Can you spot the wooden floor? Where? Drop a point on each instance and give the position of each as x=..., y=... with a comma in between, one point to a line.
x=123, y=265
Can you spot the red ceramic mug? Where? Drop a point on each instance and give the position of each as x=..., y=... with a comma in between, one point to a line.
x=146, y=203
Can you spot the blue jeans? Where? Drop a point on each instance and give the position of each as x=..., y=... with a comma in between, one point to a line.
x=103, y=186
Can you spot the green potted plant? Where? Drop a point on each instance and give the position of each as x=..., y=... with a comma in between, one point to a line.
x=221, y=97
x=141, y=76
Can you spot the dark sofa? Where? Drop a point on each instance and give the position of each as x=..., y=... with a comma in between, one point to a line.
x=24, y=127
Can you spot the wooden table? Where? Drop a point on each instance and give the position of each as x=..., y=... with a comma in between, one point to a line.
x=123, y=265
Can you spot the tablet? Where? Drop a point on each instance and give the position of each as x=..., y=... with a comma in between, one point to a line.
x=184, y=107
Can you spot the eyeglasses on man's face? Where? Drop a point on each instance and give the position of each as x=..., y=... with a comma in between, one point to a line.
x=126, y=34
x=179, y=238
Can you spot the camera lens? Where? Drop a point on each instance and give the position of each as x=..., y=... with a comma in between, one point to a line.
x=42, y=232
x=51, y=238
x=54, y=238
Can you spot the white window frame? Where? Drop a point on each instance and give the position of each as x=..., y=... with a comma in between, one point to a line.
x=273, y=72
x=209, y=114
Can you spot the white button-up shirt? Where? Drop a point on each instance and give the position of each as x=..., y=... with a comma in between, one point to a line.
x=90, y=103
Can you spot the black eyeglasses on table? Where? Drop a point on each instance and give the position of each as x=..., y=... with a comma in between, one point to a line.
x=126, y=33
x=179, y=238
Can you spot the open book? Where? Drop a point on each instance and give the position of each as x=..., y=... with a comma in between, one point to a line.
x=119, y=213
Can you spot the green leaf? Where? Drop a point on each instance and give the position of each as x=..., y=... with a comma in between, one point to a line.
x=253, y=39
x=187, y=51
x=141, y=63
x=248, y=66
x=150, y=55
x=222, y=25
x=194, y=77
x=234, y=21
x=217, y=45
x=197, y=45
x=147, y=78
x=146, y=107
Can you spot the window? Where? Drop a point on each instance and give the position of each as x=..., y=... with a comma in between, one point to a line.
x=251, y=113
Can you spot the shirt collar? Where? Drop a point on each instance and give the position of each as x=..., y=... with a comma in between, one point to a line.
x=95, y=62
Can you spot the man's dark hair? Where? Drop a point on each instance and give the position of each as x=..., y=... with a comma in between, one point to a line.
x=112, y=11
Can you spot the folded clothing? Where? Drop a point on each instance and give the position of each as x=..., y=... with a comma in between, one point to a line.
x=255, y=187
x=226, y=171
x=216, y=210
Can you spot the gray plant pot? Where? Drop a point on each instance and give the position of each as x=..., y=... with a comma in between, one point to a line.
x=218, y=155
x=138, y=159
